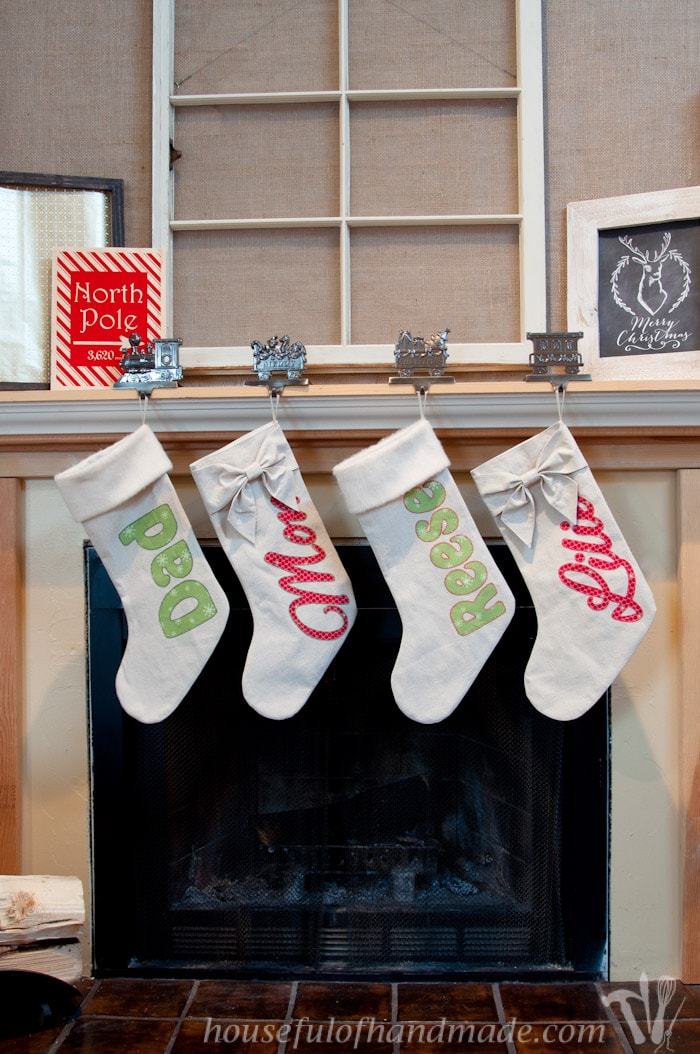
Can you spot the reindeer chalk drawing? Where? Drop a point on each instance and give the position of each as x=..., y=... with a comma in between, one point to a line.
x=651, y=294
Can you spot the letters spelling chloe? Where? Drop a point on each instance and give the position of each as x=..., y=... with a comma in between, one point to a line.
x=154, y=531
x=464, y=576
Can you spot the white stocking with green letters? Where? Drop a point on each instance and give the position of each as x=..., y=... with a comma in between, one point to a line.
x=453, y=600
x=175, y=609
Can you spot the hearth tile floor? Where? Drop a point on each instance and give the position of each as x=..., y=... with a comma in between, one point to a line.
x=145, y=1016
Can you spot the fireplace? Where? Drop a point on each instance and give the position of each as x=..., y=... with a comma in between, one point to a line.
x=348, y=840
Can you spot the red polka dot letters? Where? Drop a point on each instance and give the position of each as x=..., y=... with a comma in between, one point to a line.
x=591, y=543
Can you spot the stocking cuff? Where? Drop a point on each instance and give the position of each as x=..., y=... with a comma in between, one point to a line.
x=113, y=476
x=385, y=471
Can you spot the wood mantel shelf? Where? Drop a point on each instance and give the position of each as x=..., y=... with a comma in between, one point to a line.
x=463, y=404
x=640, y=425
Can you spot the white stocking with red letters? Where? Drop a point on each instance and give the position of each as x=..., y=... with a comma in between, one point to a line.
x=298, y=590
x=593, y=603
x=453, y=600
x=175, y=609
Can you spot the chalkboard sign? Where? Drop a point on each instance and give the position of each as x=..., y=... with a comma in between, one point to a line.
x=648, y=302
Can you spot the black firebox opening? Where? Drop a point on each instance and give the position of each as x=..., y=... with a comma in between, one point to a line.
x=346, y=841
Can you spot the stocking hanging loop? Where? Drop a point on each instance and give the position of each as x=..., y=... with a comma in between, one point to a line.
x=143, y=404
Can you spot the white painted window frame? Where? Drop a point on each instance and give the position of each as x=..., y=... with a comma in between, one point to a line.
x=530, y=218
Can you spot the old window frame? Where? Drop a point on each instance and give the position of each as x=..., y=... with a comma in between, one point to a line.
x=530, y=218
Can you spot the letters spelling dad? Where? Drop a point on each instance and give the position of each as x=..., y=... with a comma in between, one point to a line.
x=154, y=531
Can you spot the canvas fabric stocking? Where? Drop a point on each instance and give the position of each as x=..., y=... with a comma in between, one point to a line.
x=175, y=609
x=298, y=590
x=592, y=602
x=453, y=601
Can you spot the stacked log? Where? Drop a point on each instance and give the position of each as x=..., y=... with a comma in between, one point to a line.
x=41, y=921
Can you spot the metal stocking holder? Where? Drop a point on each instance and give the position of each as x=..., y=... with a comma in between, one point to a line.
x=556, y=359
x=156, y=365
x=279, y=364
x=421, y=355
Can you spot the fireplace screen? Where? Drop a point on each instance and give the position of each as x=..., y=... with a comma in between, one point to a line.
x=346, y=840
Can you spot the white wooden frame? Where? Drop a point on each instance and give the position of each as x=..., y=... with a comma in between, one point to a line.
x=530, y=219
x=584, y=221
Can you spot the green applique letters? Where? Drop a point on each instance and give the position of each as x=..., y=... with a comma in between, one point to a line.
x=155, y=531
x=464, y=576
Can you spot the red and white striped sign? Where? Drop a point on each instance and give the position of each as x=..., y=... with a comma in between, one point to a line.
x=100, y=296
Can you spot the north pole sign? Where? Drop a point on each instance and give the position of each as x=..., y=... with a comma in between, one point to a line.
x=100, y=296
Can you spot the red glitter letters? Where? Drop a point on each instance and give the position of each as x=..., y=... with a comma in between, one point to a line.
x=592, y=544
x=295, y=531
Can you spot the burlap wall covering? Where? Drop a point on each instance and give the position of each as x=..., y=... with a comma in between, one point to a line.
x=75, y=87
x=621, y=115
x=622, y=103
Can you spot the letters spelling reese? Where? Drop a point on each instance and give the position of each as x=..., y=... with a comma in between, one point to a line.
x=464, y=576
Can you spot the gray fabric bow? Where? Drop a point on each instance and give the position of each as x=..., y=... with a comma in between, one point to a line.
x=232, y=486
x=552, y=470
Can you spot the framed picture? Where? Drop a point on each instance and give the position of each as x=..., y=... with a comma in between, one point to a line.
x=633, y=274
x=38, y=214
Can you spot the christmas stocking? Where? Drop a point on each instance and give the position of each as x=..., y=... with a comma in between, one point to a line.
x=175, y=608
x=453, y=601
x=297, y=588
x=593, y=605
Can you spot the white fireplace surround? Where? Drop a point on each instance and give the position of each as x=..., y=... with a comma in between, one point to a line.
x=643, y=444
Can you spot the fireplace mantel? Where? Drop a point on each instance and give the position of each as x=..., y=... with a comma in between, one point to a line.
x=638, y=426
x=474, y=407
x=634, y=428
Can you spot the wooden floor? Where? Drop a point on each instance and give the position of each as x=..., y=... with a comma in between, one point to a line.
x=136, y=1016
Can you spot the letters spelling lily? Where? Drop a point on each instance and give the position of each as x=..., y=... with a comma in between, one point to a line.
x=471, y=576
x=299, y=533
x=599, y=553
